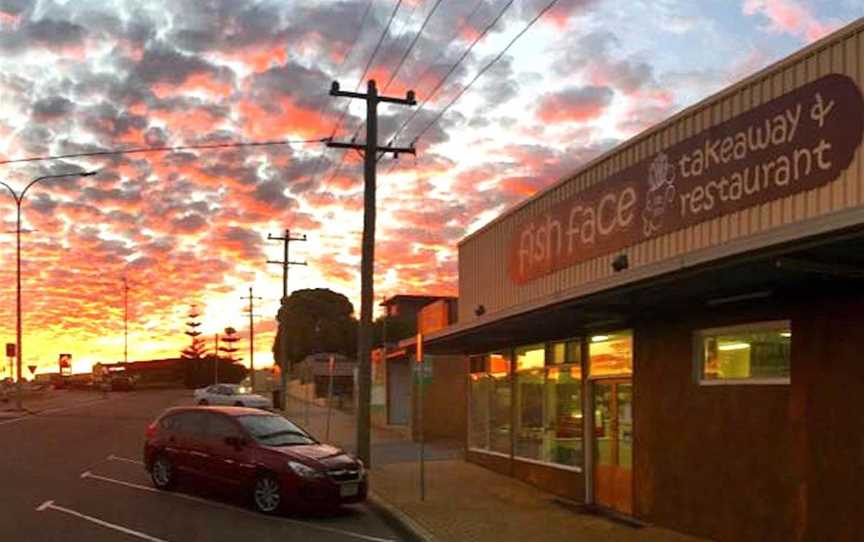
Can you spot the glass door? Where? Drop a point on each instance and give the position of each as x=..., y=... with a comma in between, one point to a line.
x=613, y=444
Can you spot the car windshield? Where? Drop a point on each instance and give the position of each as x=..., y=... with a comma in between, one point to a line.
x=275, y=431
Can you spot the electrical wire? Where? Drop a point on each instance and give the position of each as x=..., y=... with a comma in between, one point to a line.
x=140, y=150
x=384, y=34
x=485, y=68
x=412, y=44
x=452, y=69
x=338, y=74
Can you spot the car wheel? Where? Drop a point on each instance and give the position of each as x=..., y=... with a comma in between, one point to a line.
x=162, y=473
x=238, y=403
x=267, y=495
x=203, y=402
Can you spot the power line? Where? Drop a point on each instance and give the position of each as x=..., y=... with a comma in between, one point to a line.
x=452, y=69
x=140, y=150
x=412, y=44
x=339, y=74
x=357, y=87
x=485, y=68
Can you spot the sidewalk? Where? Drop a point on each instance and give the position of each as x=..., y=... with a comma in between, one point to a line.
x=465, y=502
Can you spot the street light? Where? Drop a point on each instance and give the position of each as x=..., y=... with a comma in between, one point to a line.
x=19, y=199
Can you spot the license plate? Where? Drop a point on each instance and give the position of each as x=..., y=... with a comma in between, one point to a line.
x=349, y=490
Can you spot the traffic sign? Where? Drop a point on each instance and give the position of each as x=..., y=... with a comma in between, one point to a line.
x=10, y=350
x=32, y=369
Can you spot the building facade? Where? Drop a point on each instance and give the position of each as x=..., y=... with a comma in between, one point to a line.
x=669, y=333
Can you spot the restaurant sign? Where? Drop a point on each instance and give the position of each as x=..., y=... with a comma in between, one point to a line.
x=796, y=142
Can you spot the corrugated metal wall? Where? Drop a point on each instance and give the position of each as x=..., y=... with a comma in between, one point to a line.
x=483, y=278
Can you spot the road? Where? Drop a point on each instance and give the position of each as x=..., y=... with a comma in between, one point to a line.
x=75, y=474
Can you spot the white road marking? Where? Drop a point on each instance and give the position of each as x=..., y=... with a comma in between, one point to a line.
x=90, y=475
x=113, y=457
x=49, y=505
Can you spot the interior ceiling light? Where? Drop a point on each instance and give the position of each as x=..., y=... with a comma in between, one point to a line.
x=733, y=346
x=599, y=338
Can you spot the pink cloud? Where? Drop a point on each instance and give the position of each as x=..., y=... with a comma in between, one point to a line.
x=791, y=17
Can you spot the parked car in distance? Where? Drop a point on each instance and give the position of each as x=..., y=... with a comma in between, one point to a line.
x=230, y=395
x=264, y=455
x=121, y=383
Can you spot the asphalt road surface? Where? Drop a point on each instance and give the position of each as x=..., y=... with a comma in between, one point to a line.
x=75, y=474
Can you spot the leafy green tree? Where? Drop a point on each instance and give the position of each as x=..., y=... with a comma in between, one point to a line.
x=313, y=321
x=393, y=329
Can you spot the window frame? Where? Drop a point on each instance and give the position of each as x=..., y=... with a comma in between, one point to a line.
x=699, y=336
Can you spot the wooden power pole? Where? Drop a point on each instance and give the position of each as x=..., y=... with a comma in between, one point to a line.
x=370, y=152
x=283, y=344
x=251, y=298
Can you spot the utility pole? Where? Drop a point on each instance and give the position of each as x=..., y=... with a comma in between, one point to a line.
x=251, y=299
x=216, y=361
x=283, y=346
x=367, y=264
x=125, y=320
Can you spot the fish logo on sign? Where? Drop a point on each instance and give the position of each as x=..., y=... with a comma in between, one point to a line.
x=660, y=195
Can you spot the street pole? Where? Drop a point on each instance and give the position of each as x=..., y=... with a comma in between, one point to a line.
x=216, y=362
x=252, y=299
x=367, y=264
x=125, y=321
x=421, y=364
x=283, y=344
x=330, y=367
x=19, y=199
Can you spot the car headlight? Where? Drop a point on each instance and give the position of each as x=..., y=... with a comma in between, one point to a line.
x=305, y=471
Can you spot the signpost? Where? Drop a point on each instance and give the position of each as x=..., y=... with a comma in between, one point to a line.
x=421, y=377
x=32, y=369
x=330, y=367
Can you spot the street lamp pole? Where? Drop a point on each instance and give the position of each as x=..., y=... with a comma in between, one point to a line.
x=19, y=199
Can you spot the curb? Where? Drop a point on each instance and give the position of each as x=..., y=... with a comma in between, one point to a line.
x=398, y=520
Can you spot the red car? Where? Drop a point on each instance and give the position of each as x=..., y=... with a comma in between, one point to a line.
x=276, y=462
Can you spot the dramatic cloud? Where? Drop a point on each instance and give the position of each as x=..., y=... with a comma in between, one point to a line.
x=575, y=104
x=790, y=16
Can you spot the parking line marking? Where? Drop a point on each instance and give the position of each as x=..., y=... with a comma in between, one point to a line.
x=88, y=474
x=49, y=505
x=113, y=457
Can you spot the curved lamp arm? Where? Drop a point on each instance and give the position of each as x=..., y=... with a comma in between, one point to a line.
x=47, y=177
x=11, y=191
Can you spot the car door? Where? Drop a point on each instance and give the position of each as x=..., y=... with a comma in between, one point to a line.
x=229, y=462
x=193, y=442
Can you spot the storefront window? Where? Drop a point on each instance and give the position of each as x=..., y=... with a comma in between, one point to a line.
x=530, y=357
x=611, y=354
x=752, y=353
x=478, y=430
x=489, y=425
x=563, y=443
x=530, y=432
x=499, y=419
x=549, y=403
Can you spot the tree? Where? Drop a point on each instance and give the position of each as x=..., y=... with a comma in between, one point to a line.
x=393, y=329
x=198, y=347
x=313, y=321
x=230, y=339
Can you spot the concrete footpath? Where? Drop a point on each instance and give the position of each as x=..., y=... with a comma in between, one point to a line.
x=464, y=502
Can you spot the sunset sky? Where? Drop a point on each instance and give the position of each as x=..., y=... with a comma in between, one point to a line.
x=191, y=227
